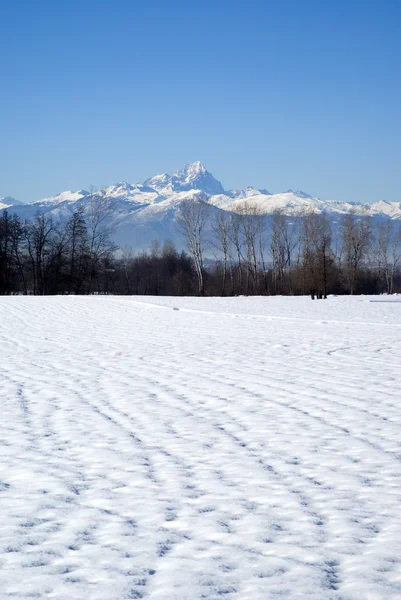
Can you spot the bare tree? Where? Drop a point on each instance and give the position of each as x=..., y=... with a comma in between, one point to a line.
x=283, y=241
x=6, y=252
x=98, y=216
x=38, y=235
x=221, y=228
x=192, y=220
x=315, y=236
x=395, y=257
x=356, y=239
x=78, y=251
x=324, y=252
x=387, y=254
x=252, y=229
x=236, y=238
x=17, y=240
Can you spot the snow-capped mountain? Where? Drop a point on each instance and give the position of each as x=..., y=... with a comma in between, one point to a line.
x=146, y=211
x=137, y=194
x=69, y=197
x=194, y=176
x=293, y=203
x=8, y=202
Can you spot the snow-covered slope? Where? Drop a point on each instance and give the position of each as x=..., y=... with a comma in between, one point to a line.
x=148, y=210
x=136, y=194
x=294, y=203
x=68, y=196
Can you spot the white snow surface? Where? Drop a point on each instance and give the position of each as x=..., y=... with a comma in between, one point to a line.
x=185, y=448
x=67, y=196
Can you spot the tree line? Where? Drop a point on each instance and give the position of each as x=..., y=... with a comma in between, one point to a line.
x=228, y=253
x=307, y=253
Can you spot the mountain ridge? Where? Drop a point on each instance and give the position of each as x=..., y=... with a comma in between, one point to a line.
x=148, y=210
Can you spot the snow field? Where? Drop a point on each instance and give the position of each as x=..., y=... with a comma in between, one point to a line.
x=244, y=448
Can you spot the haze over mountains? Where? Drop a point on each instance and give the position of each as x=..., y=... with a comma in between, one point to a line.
x=146, y=211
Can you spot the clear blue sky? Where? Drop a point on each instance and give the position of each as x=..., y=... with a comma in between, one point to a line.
x=277, y=94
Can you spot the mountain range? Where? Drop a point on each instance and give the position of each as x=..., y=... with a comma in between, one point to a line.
x=147, y=211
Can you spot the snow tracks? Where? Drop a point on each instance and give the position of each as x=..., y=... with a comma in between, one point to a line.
x=243, y=448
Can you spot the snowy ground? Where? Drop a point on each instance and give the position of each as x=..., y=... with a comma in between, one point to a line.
x=237, y=448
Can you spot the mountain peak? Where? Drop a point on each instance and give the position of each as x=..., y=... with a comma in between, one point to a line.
x=194, y=168
x=299, y=193
x=122, y=184
x=120, y=187
x=9, y=201
x=194, y=176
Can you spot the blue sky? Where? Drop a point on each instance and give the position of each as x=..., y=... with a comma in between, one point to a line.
x=283, y=94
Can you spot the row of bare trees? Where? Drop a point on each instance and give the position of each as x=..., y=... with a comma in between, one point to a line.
x=306, y=253
x=229, y=253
